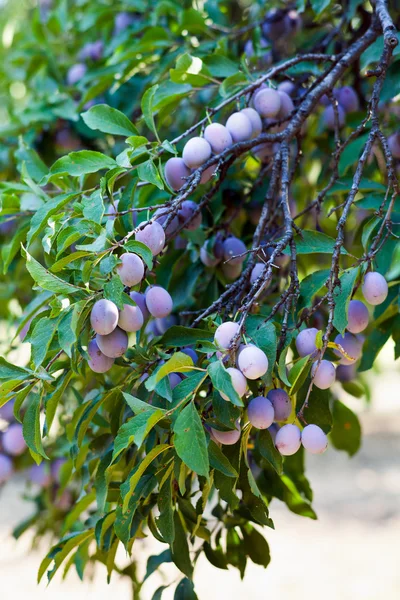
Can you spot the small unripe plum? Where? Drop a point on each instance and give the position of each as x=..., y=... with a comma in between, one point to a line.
x=238, y=381
x=351, y=345
x=209, y=260
x=174, y=379
x=161, y=216
x=357, y=316
x=233, y=247
x=186, y=211
x=153, y=236
x=99, y=362
x=261, y=412
x=7, y=411
x=6, y=468
x=196, y=152
x=239, y=126
x=305, y=341
x=40, y=474
x=347, y=98
x=345, y=373
x=281, y=403
x=329, y=117
x=141, y=303
x=130, y=318
x=104, y=316
x=256, y=271
x=254, y=119
x=208, y=174
x=159, y=302
x=286, y=105
x=131, y=269
x=76, y=73
x=225, y=333
x=228, y=438
x=190, y=352
x=218, y=137
x=375, y=288
x=268, y=103
x=252, y=362
x=13, y=440
x=288, y=439
x=114, y=344
x=324, y=374
x=231, y=271
x=176, y=173
x=314, y=439
x=394, y=144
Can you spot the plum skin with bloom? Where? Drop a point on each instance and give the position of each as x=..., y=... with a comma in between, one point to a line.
x=324, y=374
x=375, y=288
x=305, y=341
x=314, y=439
x=261, y=412
x=104, y=316
x=357, y=316
x=281, y=402
x=288, y=439
x=225, y=333
x=253, y=362
x=159, y=302
x=153, y=236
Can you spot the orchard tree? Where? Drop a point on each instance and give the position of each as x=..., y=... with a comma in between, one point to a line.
x=200, y=223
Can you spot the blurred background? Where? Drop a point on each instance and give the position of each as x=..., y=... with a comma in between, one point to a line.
x=351, y=552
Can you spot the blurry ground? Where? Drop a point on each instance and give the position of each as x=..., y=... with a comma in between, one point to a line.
x=351, y=552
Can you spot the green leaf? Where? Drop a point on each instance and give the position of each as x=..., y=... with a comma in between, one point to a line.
x=42, y=215
x=268, y=451
x=187, y=386
x=141, y=250
x=256, y=546
x=185, y=590
x=114, y=291
x=310, y=286
x=219, y=461
x=128, y=487
x=46, y=280
x=222, y=382
x=319, y=6
x=136, y=430
x=108, y=120
x=185, y=336
x=180, y=548
x=34, y=165
x=346, y=430
x=298, y=373
x=220, y=66
x=31, y=429
x=147, y=108
x=8, y=251
x=314, y=242
x=165, y=521
x=147, y=171
x=190, y=440
x=81, y=163
x=342, y=296
x=93, y=206
x=61, y=550
x=178, y=363
x=41, y=338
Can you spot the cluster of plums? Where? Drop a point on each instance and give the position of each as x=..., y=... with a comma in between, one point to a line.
x=246, y=124
x=252, y=363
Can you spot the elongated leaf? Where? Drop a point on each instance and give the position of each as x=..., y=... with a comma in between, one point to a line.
x=185, y=336
x=136, y=430
x=219, y=461
x=314, y=242
x=190, y=440
x=81, y=163
x=108, y=120
x=342, y=296
x=43, y=214
x=47, y=280
x=222, y=382
x=31, y=429
x=128, y=488
x=147, y=108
